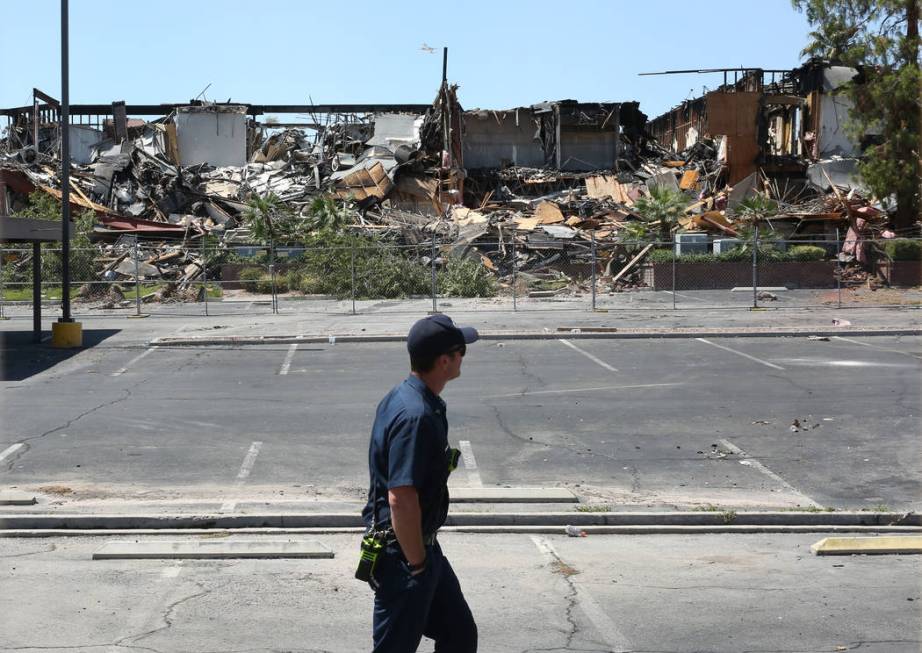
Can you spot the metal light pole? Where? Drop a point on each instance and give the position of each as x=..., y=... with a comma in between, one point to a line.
x=65, y=333
x=65, y=165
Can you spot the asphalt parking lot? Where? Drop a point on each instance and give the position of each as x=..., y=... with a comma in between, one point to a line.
x=726, y=593
x=620, y=422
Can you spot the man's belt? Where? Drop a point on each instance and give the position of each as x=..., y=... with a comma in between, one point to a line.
x=428, y=540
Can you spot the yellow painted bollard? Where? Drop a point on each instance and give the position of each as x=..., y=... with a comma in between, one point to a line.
x=66, y=335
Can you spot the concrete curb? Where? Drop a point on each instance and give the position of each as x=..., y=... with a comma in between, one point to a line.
x=482, y=530
x=462, y=519
x=582, y=334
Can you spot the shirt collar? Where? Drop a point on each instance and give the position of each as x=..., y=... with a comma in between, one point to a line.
x=419, y=385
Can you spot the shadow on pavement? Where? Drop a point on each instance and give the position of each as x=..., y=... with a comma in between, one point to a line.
x=22, y=358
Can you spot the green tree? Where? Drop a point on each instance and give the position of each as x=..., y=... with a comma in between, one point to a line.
x=43, y=206
x=325, y=213
x=664, y=206
x=270, y=220
x=882, y=38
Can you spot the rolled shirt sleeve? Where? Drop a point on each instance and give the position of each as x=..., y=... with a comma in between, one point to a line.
x=409, y=455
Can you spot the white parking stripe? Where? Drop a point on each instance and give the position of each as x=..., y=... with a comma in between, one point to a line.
x=249, y=461
x=133, y=361
x=470, y=463
x=244, y=473
x=678, y=294
x=588, y=355
x=288, y=357
x=729, y=446
x=9, y=451
x=739, y=353
x=866, y=344
x=609, y=633
x=601, y=387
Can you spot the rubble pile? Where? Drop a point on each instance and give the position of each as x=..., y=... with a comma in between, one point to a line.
x=401, y=177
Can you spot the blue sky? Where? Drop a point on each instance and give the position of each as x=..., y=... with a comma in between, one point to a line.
x=502, y=54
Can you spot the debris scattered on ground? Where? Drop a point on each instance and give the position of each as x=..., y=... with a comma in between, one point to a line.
x=197, y=176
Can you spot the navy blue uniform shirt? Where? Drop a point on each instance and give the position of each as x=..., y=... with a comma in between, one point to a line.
x=409, y=446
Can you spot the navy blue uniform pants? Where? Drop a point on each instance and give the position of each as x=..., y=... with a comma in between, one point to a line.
x=430, y=603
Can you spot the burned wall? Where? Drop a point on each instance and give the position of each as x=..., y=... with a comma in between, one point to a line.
x=587, y=135
x=213, y=135
x=497, y=139
x=583, y=151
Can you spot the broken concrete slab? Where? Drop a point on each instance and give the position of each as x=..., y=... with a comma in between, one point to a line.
x=212, y=550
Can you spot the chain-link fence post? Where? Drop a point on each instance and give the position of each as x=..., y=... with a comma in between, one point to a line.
x=136, y=254
x=755, y=267
x=594, y=262
x=515, y=266
x=839, y=270
x=2, y=287
x=674, y=247
x=205, y=276
x=435, y=304
x=352, y=265
x=37, y=291
x=275, y=305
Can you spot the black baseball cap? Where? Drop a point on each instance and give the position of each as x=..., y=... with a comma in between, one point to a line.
x=436, y=335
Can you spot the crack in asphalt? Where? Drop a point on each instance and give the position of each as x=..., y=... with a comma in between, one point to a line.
x=166, y=617
x=8, y=466
x=528, y=374
x=566, y=572
x=512, y=434
x=128, y=393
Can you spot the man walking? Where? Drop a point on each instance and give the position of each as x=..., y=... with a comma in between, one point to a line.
x=409, y=460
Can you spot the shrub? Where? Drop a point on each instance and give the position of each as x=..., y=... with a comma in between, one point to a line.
x=806, y=253
x=903, y=249
x=311, y=285
x=264, y=284
x=734, y=255
x=464, y=277
x=293, y=279
x=248, y=278
x=767, y=254
x=388, y=275
x=660, y=256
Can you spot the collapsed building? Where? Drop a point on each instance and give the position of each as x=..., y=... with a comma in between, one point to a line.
x=556, y=178
x=777, y=121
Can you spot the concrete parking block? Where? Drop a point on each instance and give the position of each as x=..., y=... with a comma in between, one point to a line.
x=212, y=549
x=16, y=498
x=512, y=495
x=889, y=544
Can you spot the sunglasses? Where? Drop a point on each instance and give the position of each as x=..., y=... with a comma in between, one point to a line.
x=462, y=349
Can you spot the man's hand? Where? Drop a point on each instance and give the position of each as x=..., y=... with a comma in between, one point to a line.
x=406, y=518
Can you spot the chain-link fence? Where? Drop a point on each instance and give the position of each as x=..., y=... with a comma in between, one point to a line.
x=692, y=271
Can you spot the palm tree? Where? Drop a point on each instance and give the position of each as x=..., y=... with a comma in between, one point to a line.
x=664, y=206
